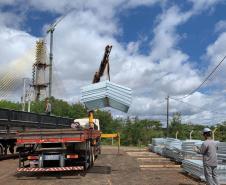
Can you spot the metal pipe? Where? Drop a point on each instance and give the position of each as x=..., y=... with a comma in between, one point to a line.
x=119, y=142
x=214, y=133
x=29, y=106
x=177, y=134
x=50, y=61
x=24, y=92
x=167, y=116
x=190, y=134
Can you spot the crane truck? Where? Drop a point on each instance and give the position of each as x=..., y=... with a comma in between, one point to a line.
x=59, y=149
x=63, y=149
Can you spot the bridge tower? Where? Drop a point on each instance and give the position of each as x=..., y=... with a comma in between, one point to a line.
x=39, y=81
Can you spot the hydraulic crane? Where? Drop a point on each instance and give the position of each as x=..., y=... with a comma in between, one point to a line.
x=98, y=74
x=103, y=65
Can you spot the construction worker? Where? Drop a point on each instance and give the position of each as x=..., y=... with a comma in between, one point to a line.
x=208, y=150
x=48, y=107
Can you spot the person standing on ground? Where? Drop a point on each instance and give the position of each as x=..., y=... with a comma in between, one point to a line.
x=208, y=150
x=48, y=107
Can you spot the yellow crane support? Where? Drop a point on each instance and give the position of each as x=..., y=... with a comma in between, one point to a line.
x=112, y=136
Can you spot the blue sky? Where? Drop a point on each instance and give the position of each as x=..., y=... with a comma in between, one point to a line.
x=137, y=24
x=199, y=32
x=160, y=48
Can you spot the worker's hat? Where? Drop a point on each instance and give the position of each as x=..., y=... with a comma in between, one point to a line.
x=205, y=130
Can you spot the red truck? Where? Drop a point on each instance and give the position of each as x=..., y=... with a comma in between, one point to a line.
x=58, y=149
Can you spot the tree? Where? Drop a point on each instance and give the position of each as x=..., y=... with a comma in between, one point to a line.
x=175, y=124
x=10, y=105
x=106, y=121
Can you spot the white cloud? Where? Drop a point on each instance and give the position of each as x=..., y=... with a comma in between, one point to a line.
x=10, y=20
x=215, y=53
x=17, y=55
x=220, y=26
x=202, y=5
x=7, y=2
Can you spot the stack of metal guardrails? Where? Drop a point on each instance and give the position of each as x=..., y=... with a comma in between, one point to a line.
x=157, y=145
x=173, y=149
x=221, y=172
x=221, y=152
x=182, y=151
x=20, y=120
x=106, y=94
x=187, y=149
x=195, y=168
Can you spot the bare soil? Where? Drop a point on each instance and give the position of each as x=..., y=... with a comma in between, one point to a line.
x=110, y=168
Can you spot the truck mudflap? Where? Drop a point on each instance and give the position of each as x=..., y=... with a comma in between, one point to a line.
x=53, y=169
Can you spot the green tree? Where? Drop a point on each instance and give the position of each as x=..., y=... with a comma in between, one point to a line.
x=10, y=105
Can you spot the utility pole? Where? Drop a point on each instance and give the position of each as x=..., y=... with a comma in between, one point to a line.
x=24, y=94
x=51, y=30
x=167, y=116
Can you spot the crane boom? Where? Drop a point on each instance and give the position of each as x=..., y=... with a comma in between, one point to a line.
x=104, y=63
x=52, y=26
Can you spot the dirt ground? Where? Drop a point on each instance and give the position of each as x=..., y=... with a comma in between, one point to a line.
x=130, y=167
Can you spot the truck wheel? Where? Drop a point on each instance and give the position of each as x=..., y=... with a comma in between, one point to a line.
x=11, y=149
x=91, y=157
x=1, y=149
x=5, y=150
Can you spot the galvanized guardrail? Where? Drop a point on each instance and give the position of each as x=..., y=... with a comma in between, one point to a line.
x=10, y=119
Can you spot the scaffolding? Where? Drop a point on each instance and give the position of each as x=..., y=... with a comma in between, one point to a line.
x=39, y=81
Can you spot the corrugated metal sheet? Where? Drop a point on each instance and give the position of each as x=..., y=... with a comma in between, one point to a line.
x=195, y=167
x=191, y=162
x=106, y=94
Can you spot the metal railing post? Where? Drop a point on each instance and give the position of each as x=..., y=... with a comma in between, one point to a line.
x=191, y=134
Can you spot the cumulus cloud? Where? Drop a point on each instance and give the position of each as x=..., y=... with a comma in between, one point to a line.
x=17, y=55
x=202, y=5
x=220, y=26
x=214, y=54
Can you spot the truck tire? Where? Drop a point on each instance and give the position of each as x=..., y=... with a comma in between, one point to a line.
x=91, y=157
x=11, y=149
x=93, y=154
x=1, y=149
x=5, y=150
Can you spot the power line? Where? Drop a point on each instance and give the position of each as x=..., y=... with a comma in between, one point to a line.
x=204, y=81
x=197, y=106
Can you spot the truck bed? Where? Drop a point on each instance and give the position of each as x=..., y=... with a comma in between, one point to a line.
x=56, y=135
